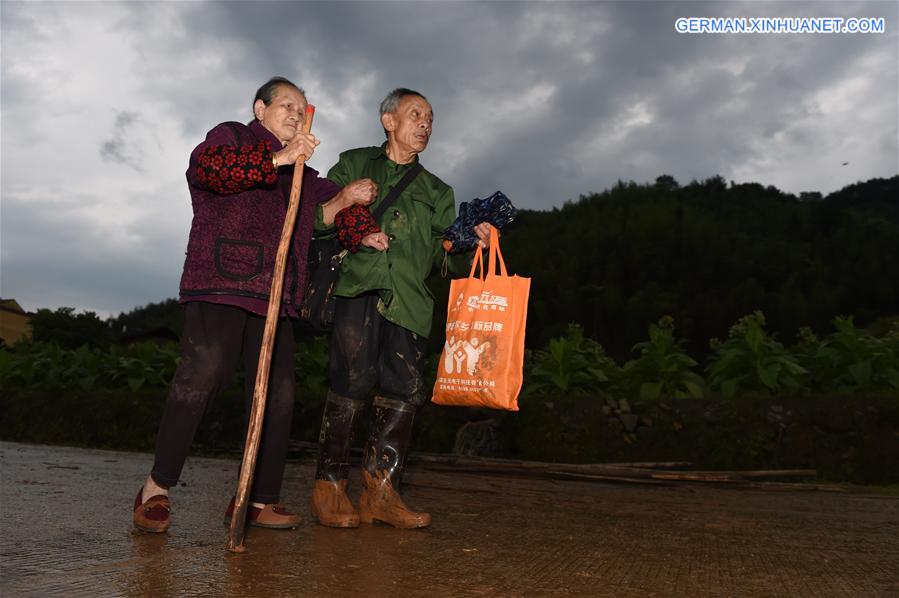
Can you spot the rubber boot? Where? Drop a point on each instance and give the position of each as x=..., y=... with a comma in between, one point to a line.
x=330, y=503
x=382, y=467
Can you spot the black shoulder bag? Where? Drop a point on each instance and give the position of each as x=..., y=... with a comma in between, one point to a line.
x=325, y=257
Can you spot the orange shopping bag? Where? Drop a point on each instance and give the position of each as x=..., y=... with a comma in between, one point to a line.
x=483, y=355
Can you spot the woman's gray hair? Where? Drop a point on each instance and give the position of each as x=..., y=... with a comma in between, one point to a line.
x=393, y=99
x=266, y=93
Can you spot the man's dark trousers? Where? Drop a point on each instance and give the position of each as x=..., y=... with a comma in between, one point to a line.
x=368, y=350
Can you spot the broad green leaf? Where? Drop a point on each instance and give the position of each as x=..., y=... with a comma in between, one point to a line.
x=861, y=373
x=693, y=389
x=135, y=383
x=768, y=375
x=649, y=391
x=729, y=388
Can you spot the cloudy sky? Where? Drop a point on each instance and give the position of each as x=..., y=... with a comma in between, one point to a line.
x=102, y=103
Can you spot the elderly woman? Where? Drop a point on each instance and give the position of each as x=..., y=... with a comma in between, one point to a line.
x=239, y=180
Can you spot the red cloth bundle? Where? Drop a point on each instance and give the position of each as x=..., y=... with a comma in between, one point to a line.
x=354, y=223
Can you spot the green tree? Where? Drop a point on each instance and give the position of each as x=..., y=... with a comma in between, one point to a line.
x=165, y=315
x=69, y=329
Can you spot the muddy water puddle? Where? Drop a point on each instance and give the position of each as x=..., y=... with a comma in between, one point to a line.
x=66, y=530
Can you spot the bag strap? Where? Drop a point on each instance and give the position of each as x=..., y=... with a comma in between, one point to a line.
x=496, y=256
x=397, y=190
x=488, y=267
x=478, y=260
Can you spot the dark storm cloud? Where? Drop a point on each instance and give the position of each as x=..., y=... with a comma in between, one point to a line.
x=713, y=102
x=544, y=100
x=116, y=148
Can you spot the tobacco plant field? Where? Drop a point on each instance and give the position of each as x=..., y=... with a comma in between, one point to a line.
x=829, y=402
x=748, y=363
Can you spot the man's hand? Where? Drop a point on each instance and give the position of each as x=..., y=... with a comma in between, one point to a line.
x=361, y=191
x=482, y=230
x=302, y=143
x=377, y=241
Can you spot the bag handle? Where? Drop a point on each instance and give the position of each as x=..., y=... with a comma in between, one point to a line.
x=478, y=261
x=496, y=256
x=488, y=267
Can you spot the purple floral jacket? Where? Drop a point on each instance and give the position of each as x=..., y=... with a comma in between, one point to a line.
x=239, y=204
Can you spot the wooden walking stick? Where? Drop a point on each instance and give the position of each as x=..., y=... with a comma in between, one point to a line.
x=260, y=392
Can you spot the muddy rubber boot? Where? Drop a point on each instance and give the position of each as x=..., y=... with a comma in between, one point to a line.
x=330, y=503
x=382, y=467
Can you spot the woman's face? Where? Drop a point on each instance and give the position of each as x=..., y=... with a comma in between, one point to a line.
x=285, y=115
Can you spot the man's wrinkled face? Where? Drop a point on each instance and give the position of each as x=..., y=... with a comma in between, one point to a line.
x=410, y=126
x=286, y=113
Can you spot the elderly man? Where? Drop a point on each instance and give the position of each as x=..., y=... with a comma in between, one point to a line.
x=382, y=319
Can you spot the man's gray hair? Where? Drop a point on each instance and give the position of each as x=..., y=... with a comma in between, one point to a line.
x=392, y=101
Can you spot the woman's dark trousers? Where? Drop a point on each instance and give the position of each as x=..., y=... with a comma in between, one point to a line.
x=216, y=337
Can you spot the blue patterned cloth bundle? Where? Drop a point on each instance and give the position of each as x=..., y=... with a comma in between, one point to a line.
x=496, y=210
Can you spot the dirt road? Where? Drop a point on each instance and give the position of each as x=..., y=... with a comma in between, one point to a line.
x=66, y=530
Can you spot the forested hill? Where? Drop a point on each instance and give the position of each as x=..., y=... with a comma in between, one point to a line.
x=708, y=253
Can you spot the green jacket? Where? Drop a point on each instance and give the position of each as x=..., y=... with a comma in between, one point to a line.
x=414, y=223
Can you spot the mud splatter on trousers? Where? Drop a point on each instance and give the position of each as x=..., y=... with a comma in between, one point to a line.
x=367, y=351
x=215, y=339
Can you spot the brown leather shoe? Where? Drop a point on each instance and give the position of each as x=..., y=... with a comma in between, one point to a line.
x=379, y=501
x=153, y=516
x=331, y=506
x=272, y=516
